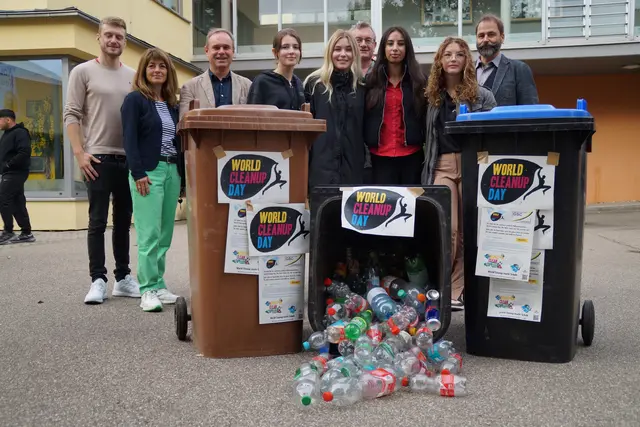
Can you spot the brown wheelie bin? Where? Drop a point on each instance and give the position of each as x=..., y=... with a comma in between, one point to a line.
x=224, y=307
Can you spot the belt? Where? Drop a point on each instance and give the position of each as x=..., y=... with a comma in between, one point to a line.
x=118, y=157
x=169, y=159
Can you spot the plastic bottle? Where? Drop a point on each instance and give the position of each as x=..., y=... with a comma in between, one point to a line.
x=440, y=351
x=453, y=364
x=335, y=332
x=349, y=367
x=356, y=304
x=381, y=304
x=378, y=383
x=343, y=392
x=424, y=337
x=417, y=271
x=316, y=341
x=408, y=363
x=386, y=351
x=306, y=391
x=345, y=348
x=428, y=368
x=413, y=298
x=337, y=312
x=406, y=317
x=393, y=284
x=336, y=288
x=358, y=325
x=363, y=352
x=375, y=333
x=320, y=362
x=330, y=376
x=445, y=384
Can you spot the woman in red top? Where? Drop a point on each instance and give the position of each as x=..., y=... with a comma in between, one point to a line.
x=395, y=109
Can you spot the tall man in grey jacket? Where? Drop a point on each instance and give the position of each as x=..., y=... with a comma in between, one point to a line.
x=510, y=80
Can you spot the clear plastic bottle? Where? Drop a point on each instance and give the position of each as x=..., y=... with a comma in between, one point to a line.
x=445, y=384
x=316, y=341
x=336, y=288
x=375, y=333
x=440, y=351
x=424, y=337
x=402, y=320
x=306, y=391
x=378, y=383
x=335, y=332
x=330, y=376
x=345, y=348
x=413, y=298
x=343, y=392
x=358, y=325
x=320, y=362
x=386, y=351
x=337, y=312
x=363, y=352
x=453, y=364
x=408, y=364
x=381, y=303
x=356, y=304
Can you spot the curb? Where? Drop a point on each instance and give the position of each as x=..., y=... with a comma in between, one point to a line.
x=613, y=207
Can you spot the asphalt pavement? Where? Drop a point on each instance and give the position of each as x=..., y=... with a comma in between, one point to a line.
x=68, y=364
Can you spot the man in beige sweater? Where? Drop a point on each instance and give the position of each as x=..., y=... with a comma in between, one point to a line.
x=92, y=118
x=218, y=85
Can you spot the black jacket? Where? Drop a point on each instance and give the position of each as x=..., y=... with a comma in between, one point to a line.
x=271, y=88
x=15, y=150
x=413, y=120
x=337, y=156
x=142, y=132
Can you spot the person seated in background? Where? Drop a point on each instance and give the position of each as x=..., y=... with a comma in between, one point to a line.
x=218, y=85
x=336, y=94
x=452, y=82
x=156, y=164
x=281, y=87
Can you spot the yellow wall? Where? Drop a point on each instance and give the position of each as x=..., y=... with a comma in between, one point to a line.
x=66, y=36
x=613, y=174
x=146, y=19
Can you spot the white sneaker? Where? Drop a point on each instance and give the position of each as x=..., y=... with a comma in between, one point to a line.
x=166, y=297
x=150, y=301
x=97, y=292
x=127, y=287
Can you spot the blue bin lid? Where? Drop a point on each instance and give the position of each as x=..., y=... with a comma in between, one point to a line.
x=516, y=112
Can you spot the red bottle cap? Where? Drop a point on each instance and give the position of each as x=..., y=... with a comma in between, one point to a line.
x=405, y=381
x=327, y=396
x=327, y=282
x=329, y=301
x=421, y=298
x=395, y=330
x=445, y=372
x=331, y=311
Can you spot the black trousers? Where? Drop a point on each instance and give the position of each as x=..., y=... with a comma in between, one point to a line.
x=112, y=182
x=13, y=204
x=405, y=170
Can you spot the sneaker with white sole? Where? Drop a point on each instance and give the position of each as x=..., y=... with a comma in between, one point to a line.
x=97, y=292
x=127, y=287
x=150, y=301
x=166, y=297
x=456, y=305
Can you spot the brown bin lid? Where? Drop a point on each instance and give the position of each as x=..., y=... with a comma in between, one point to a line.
x=251, y=117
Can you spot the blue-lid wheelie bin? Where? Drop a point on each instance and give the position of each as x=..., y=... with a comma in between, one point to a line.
x=557, y=137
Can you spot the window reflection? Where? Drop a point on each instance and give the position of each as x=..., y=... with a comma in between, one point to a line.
x=33, y=89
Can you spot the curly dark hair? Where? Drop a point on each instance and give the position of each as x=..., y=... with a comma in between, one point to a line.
x=467, y=90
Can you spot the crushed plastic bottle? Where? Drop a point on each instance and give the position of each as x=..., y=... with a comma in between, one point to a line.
x=445, y=384
x=343, y=392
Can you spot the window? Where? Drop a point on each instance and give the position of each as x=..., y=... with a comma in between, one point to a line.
x=637, y=18
x=209, y=14
x=33, y=89
x=174, y=5
x=343, y=14
x=257, y=25
x=307, y=18
x=522, y=19
x=416, y=17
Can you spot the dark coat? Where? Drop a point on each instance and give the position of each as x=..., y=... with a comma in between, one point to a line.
x=514, y=83
x=15, y=150
x=338, y=155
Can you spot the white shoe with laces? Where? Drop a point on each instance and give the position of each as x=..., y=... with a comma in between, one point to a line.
x=150, y=301
x=97, y=292
x=127, y=287
x=166, y=297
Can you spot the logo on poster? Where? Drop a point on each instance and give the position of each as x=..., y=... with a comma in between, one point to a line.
x=493, y=261
x=505, y=301
x=242, y=258
x=369, y=208
x=274, y=307
x=274, y=226
x=506, y=180
x=245, y=175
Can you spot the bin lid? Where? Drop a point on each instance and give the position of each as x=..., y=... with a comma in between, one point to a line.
x=251, y=117
x=526, y=112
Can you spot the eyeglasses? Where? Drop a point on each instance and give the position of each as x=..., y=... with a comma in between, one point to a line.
x=368, y=40
x=458, y=55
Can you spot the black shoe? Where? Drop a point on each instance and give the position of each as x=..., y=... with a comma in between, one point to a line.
x=456, y=305
x=6, y=236
x=23, y=238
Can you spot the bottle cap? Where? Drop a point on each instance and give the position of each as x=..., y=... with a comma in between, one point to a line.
x=306, y=345
x=401, y=293
x=327, y=282
x=306, y=400
x=405, y=381
x=445, y=372
x=327, y=396
x=421, y=297
x=395, y=330
x=412, y=331
x=331, y=311
x=329, y=301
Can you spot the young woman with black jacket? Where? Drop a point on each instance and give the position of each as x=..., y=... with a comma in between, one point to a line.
x=281, y=87
x=335, y=94
x=395, y=109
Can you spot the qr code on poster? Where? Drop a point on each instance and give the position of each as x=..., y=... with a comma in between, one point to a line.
x=536, y=317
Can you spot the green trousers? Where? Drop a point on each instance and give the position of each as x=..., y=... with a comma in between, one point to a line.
x=154, y=217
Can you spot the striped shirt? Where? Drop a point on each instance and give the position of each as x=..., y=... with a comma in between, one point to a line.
x=168, y=130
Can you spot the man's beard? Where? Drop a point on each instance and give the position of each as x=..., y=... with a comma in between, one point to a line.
x=489, y=50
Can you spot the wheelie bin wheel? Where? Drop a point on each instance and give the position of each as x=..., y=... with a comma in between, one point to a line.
x=181, y=318
x=588, y=322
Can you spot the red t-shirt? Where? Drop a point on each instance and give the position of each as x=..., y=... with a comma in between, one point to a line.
x=392, y=136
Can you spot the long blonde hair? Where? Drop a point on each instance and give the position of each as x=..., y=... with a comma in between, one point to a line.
x=323, y=74
x=467, y=90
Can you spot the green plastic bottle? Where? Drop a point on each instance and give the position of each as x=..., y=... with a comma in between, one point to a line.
x=358, y=325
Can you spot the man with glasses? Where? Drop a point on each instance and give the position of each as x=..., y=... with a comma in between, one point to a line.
x=366, y=39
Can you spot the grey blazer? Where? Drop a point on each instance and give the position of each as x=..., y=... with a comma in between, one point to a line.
x=200, y=88
x=485, y=102
x=514, y=84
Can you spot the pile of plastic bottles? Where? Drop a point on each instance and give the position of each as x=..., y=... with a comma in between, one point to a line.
x=385, y=340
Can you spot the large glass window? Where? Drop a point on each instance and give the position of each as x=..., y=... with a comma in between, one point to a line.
x=174, y=5
x=522, y=18
x=427, y=21
x=343, y=14
x=637, y=19
x=33, y=89
x=256, y=26
x=307, y=18
x=209, y=14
